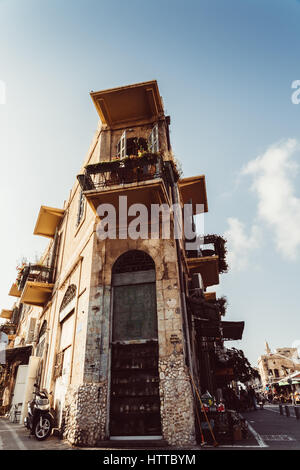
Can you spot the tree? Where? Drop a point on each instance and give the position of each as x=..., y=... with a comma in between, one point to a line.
x=242, y=369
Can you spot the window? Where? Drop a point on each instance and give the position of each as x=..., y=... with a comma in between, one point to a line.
x=153, y=144
x=41, y=339
x=130, y=146
x=121, y=147
x=80, y=208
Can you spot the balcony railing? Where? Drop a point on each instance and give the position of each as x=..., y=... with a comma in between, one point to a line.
x=122, y=171
x=219, y=249
x=35, y=273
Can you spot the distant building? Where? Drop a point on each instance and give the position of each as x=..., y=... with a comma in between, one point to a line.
x=274, y=366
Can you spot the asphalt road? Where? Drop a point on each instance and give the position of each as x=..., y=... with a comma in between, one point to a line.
x=268, y=431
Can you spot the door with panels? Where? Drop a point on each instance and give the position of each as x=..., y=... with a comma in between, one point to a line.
x=134, y=391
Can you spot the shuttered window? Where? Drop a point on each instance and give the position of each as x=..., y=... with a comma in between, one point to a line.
x=80, y=208
x=121, y=147
x=30, y=331
x=153, y=143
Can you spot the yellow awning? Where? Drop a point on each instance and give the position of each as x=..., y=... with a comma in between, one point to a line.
x=36, y=293
x=14, y=291
x=6, y=314
x=194, y=188
x=47, y=221
x=128, y=104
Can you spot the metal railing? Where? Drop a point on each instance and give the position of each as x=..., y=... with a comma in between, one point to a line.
x=35, y=273
x=123, y=171
x=218, y=248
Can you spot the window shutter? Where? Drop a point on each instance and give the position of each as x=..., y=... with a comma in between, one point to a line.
x=122, y=146
x=59, y=360
x=80, y=208
x=30, y=331
x=153, y=143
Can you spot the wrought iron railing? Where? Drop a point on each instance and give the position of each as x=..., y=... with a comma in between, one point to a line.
x=123, y=171
x=219, y=249
x=35, y=273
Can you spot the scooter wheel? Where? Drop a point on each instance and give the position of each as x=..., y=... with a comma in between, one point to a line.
x=43, y=428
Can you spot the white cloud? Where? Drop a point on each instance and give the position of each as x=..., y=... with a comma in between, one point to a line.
x=240, y=243
x=278, y=207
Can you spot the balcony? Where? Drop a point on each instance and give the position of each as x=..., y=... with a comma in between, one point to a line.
x=48, y=220
x=218, y=249
x=207, y=266
x=143, y=179
x=7, y=314
x=14, y=290
x=35, y=284
x=9, y=329
x=206, y=306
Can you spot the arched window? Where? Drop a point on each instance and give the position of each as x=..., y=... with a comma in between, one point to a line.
x=134, y=297
x=68, y=297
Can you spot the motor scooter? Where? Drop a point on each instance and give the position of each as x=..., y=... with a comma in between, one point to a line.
x=261, y=402
x=40, y=419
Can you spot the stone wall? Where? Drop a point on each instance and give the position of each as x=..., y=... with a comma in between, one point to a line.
x=84, y=415
x=177, y=414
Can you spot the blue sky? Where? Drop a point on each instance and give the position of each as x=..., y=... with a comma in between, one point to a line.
x=224, y=68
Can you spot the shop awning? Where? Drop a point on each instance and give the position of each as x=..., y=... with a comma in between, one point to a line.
x=284, y=382
x=227, y=330
x=232, y=330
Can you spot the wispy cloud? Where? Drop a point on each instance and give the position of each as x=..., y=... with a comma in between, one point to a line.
x=278, y=206
x=241, y=243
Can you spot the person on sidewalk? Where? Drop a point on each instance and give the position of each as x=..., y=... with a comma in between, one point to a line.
x=251, y=394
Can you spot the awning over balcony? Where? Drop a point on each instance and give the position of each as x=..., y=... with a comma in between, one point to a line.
x=226, y=330
x=194, y=188
x=207, y=266
x=210, y=296
x=128, y=104
x=14, y=291
x=36, y=293
x=6, y=314
x=47, y=221
x=21, y=354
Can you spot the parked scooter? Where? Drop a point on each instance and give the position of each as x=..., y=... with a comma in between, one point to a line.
x=261, y=402
x=39, y=420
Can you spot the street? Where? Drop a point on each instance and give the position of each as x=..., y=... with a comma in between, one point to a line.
x=16, y=437
x=268, y=430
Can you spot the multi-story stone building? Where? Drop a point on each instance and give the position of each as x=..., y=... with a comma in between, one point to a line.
x=116, y=326
x=275, y=366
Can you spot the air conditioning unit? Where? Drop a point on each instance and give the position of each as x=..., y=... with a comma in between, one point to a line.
x=197, y=282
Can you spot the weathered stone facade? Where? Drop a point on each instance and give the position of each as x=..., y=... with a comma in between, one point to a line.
x=77, y=355
x=85, y=414
x=177, y=412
